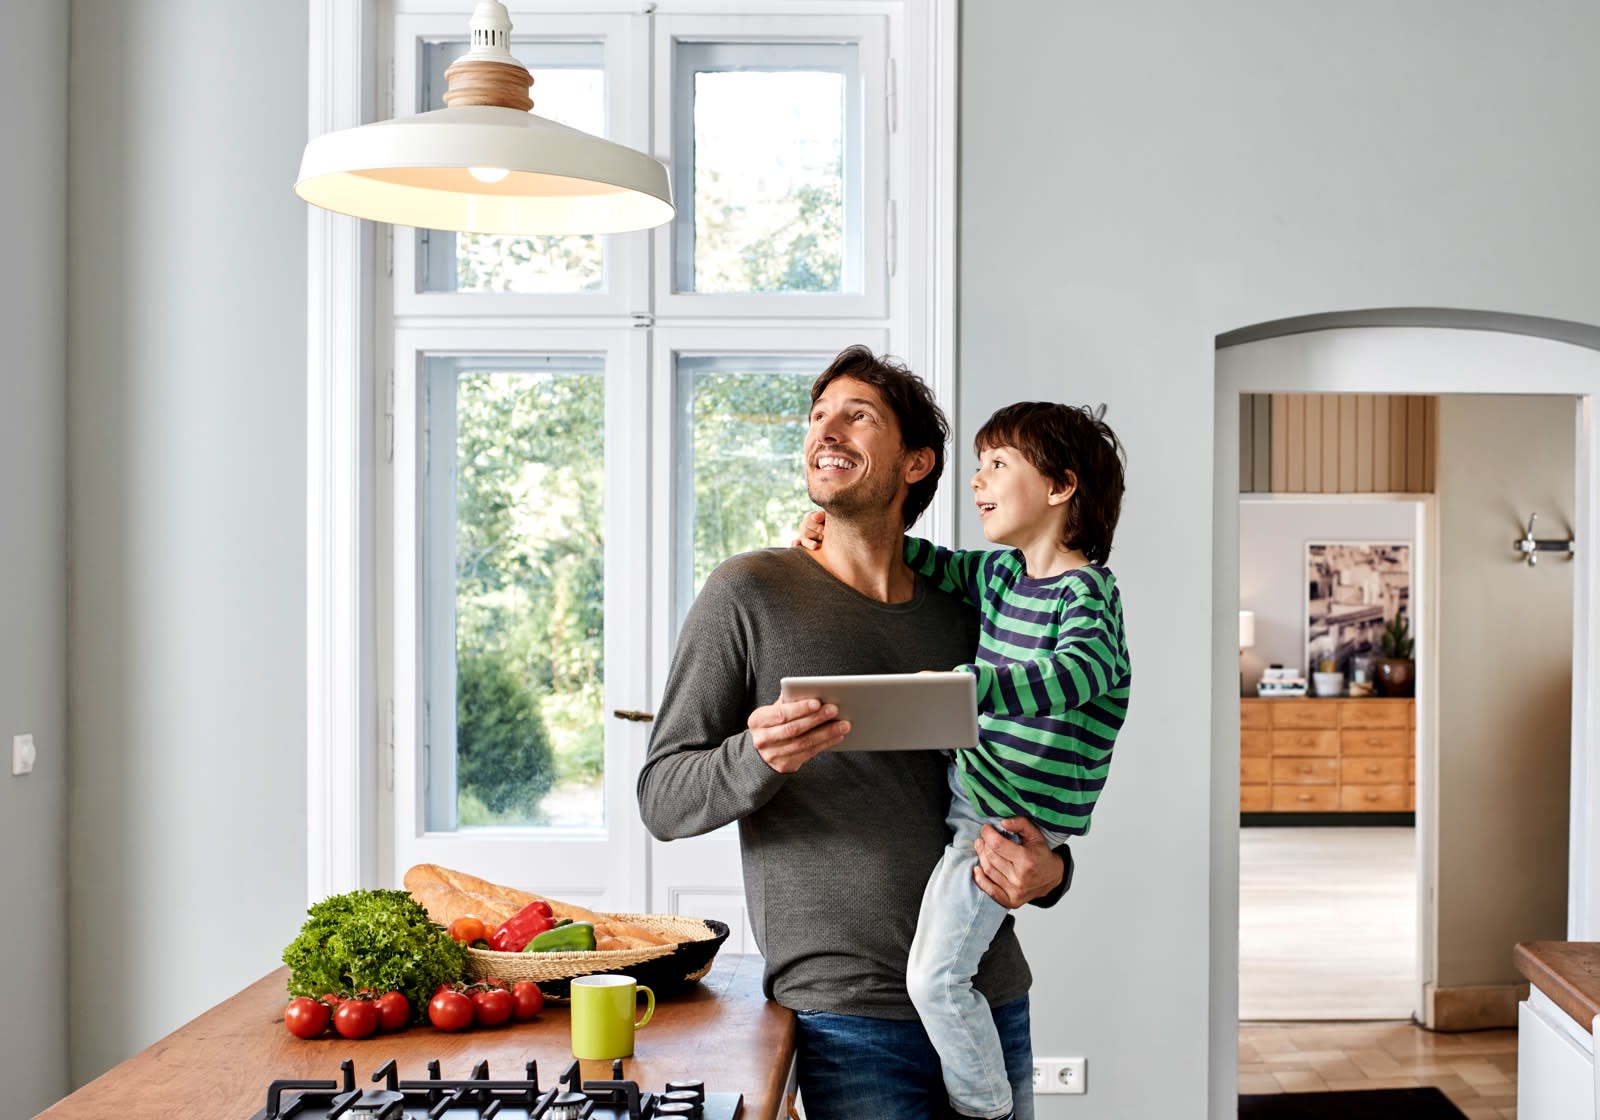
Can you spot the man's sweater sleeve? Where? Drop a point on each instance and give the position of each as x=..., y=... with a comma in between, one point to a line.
x=702, y=771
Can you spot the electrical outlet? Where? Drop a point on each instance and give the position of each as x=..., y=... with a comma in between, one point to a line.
x=1060, y=1075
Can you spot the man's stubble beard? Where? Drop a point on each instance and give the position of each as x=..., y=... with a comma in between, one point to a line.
x=866, y=500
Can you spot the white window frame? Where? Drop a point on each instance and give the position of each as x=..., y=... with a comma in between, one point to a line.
x=497, y=854
x=349, y=750
x=870, y=35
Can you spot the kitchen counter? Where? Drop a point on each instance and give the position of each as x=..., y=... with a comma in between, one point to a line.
x=1566, y=971
x=721, y=1030
x=1557, y=1076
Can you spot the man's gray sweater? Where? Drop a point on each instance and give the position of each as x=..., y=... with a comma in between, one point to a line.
x=835, y=855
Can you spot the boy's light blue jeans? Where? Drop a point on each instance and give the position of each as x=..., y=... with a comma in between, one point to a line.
x=954, y=929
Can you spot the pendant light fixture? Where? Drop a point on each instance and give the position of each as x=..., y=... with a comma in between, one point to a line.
x=484, y=163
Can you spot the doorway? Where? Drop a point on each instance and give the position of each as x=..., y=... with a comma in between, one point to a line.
x=1435, y=353
x=1328, y=868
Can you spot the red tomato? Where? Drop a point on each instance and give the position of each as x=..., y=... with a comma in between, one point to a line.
x=468, y=929
x=450, y=1011
x=332, y=999
x=356, y=1018
x=526, y=1000
x=306, y=1017
x=491, y=1007
x=394, y=1010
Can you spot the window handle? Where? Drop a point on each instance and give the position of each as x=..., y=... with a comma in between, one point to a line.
x=633, y=716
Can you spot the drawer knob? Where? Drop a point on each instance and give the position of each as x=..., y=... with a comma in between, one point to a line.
x=1374, y=769
x=1304, y=797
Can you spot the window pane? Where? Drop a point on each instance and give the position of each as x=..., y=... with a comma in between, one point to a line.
x=770, y=139
x=568, y=87
x=516, y=617
x=741, y=423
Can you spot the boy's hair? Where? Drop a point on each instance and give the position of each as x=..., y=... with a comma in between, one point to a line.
x=1057, y=439
x=922, y=422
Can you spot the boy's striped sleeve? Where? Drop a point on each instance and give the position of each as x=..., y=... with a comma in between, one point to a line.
x=954, y=571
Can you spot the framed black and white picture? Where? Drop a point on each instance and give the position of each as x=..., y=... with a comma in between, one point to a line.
x=1353, y=590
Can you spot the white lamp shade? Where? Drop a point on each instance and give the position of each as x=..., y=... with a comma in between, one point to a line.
x=414, y=172
x=1247, y=629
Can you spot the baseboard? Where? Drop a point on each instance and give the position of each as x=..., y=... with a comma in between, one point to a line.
x=1471, y=1008
x=1325, y=820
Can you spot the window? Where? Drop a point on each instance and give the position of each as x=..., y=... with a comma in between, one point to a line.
x=583, y=427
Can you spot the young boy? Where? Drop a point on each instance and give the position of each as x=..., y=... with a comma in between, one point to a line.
x=1052, y=684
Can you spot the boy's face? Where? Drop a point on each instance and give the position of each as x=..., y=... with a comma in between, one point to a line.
x=1018, y=505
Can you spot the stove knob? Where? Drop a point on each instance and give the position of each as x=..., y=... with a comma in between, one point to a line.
x=684, y=1096
x=697, y=1087
x=677, y=1108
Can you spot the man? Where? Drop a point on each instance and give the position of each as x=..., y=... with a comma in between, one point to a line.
x=837, y=845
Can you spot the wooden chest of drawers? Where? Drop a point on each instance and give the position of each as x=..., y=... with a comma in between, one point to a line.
x=1327, y=756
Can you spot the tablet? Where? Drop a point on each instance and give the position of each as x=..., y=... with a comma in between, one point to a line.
x=898, y=711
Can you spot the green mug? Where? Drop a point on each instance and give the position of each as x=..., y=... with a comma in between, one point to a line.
x=602, y=1015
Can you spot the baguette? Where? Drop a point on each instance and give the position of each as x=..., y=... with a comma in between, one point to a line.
x=448, y=894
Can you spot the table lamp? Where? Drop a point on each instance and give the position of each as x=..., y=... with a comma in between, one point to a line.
x=1247, y=638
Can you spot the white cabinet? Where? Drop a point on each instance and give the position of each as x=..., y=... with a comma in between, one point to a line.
x=1556, y=1076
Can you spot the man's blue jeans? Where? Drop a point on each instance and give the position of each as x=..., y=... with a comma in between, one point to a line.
x=855, y=1068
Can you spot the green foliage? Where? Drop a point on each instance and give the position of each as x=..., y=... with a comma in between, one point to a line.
x=530, y=559
x=749, y=487
x=373, y=939
x=502, y=752
x=1397, y=641
x=794, y=243
x=499, y=263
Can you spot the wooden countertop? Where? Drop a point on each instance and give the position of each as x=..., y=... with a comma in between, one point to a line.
x=721, y=1030
x=1566, y=971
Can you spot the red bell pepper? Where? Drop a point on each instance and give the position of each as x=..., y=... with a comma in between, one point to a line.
x=522, y=927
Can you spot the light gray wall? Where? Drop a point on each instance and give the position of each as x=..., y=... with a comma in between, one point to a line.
x=1272, y=566
x=33, y=554
x=1139, y=178
x=1505, y=682
x=186, y=403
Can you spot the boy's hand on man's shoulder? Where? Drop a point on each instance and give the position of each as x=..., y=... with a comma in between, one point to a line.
x=811, y=530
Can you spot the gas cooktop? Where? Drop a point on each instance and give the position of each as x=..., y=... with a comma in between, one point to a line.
x=482, y=1098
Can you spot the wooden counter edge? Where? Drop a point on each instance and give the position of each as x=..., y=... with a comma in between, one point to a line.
x=239, y=1046
x=1566, y=971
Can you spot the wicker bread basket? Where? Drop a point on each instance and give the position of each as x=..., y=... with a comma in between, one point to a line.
x=688, y=958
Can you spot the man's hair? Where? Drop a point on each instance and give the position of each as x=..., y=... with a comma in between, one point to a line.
x=922, y=422
x=1058, y=439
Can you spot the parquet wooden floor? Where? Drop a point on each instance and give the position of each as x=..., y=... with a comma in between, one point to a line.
x=1477, y=1070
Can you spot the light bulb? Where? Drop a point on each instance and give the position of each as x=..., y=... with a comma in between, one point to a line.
x=488, y=174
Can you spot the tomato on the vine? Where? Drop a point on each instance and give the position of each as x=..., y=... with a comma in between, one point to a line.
x=526, y=1000
x=356, y=1018
x=306, y=1017
x=450, y=1011
x=491, y=1007
x=394, y=1010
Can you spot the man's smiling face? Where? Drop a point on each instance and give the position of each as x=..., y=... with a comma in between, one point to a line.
x=855, y=458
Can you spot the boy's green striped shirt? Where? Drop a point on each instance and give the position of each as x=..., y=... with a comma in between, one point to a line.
x=1052, y=673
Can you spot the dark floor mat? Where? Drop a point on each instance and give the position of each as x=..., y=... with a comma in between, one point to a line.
x=1362, y=1104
